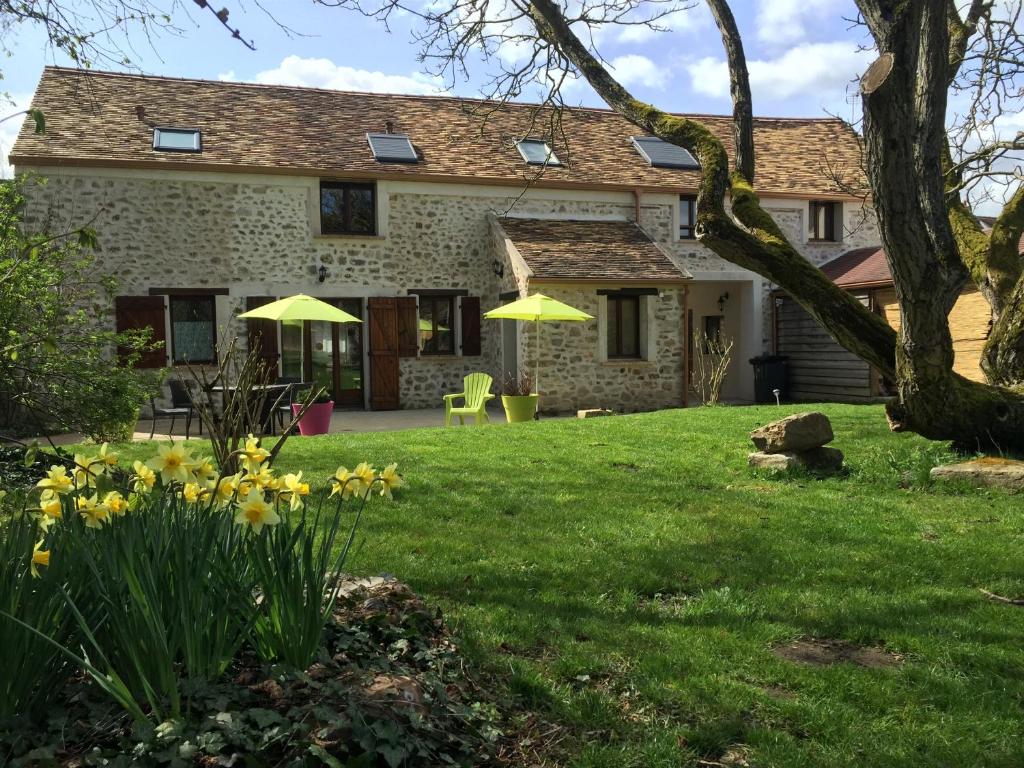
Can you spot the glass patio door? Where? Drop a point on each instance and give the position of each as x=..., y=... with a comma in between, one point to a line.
x=329, y=355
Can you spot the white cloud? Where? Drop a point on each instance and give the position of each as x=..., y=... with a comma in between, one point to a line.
x=324, y=73
x=634, y=69
x=686, y=18
x=784, y=22
x=9, y=129
x=808, y=70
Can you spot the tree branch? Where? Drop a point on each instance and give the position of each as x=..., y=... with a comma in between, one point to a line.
x=739, y=86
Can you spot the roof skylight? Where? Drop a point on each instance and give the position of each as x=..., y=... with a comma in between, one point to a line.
x=392, y=148
x=537, y=152
x=662, y=154
x=177, y=139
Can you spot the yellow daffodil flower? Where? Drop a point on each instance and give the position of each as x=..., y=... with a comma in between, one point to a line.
x=293, y=490
x=87, y=469
x=253, y=455
x=224, y=488
x=344, y=483
x=192, y=493
x=57, y=480
x=106, y=456
x=389, y=480
x=50, y=506
x=255, y=511
x=366, y=475
x=203, y=470
x=145, y=478
x=172, y=462
x=115, y=503
x=92, y=511
x=40, y=557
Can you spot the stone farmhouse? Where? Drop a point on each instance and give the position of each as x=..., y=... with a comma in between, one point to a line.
x=418, y=214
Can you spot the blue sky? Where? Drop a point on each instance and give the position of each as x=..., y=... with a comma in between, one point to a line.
x=802, y=55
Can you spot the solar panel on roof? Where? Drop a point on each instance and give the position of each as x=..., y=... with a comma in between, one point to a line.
x=392, y=148
x=661, y=154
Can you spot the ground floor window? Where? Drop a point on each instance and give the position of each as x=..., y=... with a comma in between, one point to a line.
x=623, y=326
x=436, y=325
x=193, y=329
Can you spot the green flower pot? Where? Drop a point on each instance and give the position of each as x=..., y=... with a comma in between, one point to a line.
x=519, y=407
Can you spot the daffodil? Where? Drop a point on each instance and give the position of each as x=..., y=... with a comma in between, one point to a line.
x=49, y=505
x=40, y=557
x=253, y=455
x=57, y=480
x=106, y=456
x=255, y=511
x=144, y=478
x=224, y=488
x=345, y=483
x=193, y=492
x=293, y=490
x=389, y=480
x=92, y=511
x=203, y=470
x=366, y=475
x=87, y=469
x=263, y=479
x=115, y=503
x=172, y=462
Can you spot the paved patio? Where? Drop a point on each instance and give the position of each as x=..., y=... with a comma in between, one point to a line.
x=341, y=422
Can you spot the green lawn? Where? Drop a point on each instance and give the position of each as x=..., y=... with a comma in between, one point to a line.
x=628, y=577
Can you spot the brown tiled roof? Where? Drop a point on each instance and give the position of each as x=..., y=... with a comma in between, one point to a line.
x=859, y=268
x=616, y=251
x=102, y=118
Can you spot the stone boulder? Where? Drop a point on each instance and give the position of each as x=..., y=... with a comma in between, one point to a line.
x=799, y=432
x=989, y=472
x=823, y=459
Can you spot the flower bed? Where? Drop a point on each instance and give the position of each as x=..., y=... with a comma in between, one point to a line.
x=197, y=615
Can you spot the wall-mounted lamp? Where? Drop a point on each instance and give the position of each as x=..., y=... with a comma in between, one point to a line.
x=321, y=274
x=721, y=302
x=499, y=268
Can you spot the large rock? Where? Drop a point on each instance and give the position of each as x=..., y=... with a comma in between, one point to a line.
x=989, y=472
x=816, y=459
x=798, y=432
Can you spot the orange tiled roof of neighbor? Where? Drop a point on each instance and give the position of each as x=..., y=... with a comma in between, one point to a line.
x=559, y=249
x=106, y=119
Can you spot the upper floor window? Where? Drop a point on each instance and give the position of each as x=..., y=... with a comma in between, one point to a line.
x=825, y=220
x=193, y=329
x=687, y=217
x=537, y=152
x=177, y=139
x=623, y=326
x=348, y=208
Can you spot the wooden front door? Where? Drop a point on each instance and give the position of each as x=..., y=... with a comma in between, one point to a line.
x=383, y=320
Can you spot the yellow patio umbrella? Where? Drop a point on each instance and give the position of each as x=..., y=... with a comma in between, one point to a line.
x=300, y=307
x=538, y=309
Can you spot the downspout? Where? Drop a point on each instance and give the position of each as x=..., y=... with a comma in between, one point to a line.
x=636, y=205
x=686, y=346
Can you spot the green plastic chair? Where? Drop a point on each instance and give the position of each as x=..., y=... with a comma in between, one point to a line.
x=477, y=391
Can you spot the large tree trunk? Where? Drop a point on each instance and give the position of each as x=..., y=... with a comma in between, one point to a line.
x=904, y=97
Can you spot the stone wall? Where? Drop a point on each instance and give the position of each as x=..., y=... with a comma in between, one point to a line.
x=255, y=236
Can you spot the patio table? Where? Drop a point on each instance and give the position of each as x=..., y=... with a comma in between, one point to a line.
x=273, y=395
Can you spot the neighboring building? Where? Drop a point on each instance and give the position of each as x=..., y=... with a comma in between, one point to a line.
x=417, y=214
x=820, y=369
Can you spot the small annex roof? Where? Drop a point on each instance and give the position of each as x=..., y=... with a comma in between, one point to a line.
x=592, y=251
x=106, y=119
x=859, y=268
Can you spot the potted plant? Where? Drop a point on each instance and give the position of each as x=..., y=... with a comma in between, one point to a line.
x=517, y=397
x=317, y=418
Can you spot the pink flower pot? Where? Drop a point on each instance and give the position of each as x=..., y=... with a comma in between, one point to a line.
x=316, y=420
